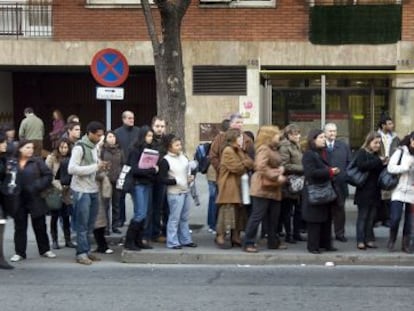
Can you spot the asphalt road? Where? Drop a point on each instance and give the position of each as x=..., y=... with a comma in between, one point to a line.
x=43, y=285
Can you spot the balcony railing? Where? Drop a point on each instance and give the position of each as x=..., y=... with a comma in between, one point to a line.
x=29, y=19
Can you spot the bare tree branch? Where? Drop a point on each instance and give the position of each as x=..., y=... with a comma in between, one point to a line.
x=152, y=32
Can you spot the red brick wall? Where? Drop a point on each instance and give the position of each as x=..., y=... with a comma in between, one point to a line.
x=288, y=21
x=408, y=21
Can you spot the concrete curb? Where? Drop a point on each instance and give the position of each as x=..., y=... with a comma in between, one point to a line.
x=263, y=258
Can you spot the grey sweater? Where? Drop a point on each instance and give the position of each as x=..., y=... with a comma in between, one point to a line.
x=83, y=173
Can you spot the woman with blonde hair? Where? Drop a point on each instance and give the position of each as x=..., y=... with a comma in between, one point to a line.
x=265, y=189
x=368, y=196
x=234, y=163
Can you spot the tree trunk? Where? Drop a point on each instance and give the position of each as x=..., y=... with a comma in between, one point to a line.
x=169, y=71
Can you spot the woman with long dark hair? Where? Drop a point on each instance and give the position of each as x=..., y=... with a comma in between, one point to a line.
x=112, y=153
x=317, y=171
x=3, y=215
x=57, y=162
x=402, y=198
x=33, y=176
x=368, y=196
x=142, y=192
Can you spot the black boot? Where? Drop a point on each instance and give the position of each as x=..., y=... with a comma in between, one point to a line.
x=391, y=240
x=3, y=263
x=131, y=235
x=406, y=245
x=138, y=237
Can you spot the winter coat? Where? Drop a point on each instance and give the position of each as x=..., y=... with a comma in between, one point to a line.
x=291, y=156
x=317, y=171
x=233, y=164
x=404, y=192
x=3, y=166
x=219, y=143
x=141, y=176
x=125, y=136
x=33, y=179
x=340, y=157
x=370, y=192
x=114, y=155
x=266, y=160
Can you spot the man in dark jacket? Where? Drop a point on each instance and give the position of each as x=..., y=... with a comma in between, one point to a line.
x=157, y=215
x=339, y=155
x=125, y=136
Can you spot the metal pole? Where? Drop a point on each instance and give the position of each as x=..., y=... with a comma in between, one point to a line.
x=108, y=115
x=323, y=100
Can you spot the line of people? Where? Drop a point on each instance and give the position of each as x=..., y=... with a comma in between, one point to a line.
x=276, y=166
x=277, y=162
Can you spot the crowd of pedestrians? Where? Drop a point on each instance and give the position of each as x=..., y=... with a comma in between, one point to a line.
x=293, y=190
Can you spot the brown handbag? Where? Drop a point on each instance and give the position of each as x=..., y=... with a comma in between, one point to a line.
x=269, y=183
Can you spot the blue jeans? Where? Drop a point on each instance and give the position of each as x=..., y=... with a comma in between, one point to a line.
x=142, y=199
x=396, y=211
x=365, y=223
x=178, y=230
x=212, y=207
x=85, y=212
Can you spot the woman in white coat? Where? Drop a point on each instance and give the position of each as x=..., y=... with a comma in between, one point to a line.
x=403, y=195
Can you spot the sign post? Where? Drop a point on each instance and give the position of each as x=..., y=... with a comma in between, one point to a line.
x=109, y=68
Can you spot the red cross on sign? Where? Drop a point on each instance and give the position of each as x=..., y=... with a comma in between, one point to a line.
x=109, y=67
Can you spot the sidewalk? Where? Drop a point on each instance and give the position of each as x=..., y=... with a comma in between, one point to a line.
x=208, y=253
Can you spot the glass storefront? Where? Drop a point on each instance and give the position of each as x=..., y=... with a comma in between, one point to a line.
x=354, y=105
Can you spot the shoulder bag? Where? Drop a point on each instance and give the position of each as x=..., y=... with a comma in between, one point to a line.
x=319, y=194
x=388, y=181
x=354, y=176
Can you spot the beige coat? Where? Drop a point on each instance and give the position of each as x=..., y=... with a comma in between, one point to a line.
x=267, y=159
x=234, y=163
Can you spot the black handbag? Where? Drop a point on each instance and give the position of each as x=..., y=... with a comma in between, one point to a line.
x=319, y=194
x=388, y=181
x=354, y=176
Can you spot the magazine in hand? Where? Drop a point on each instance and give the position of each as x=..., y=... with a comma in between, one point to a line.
x=149, y=158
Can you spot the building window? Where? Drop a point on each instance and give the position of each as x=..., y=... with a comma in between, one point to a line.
x=115, y=3
x=220, y=80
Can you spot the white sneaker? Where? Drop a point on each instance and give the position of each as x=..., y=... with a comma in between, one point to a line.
x=16, y=258
x=109, y=251
x=49, y=254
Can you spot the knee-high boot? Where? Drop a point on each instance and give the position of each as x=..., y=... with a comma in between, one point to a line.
x=406, y=245
x=139, y=236
x=391, y=240
x=131, y=235
x=3, y=263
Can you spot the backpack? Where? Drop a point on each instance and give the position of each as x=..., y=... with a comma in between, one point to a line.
x=201, y=156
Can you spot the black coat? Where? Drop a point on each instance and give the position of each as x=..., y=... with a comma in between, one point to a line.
x=125, y=137
x=33, y=179
x=141, y=176
x=3, y=162
x=370, y=192
x=340, y=157
x=317, y=171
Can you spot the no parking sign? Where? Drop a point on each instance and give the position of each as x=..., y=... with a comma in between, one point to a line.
x=109, y=68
